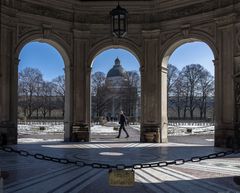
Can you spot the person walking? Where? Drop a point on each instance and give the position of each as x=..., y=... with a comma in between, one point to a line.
x=122, y=122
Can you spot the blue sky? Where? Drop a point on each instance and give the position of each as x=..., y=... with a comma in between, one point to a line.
x=44, y=57
x=105, y=60
x=193, y=53
x=49, y=61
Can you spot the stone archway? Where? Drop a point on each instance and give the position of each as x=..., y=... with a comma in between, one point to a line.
x=107, y=44
x=170, y=48
x=221, y=139
x=58, y=44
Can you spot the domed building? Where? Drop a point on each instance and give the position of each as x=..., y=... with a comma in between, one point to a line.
x=117, y=86
x=116, y=79
x=118, y=94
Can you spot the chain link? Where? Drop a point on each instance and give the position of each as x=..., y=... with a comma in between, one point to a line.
x=119, y=166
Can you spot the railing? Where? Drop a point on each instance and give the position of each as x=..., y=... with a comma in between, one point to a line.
x=190, y=123
x=41, y=122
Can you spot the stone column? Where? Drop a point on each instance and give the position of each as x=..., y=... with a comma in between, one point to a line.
x=8, y=88
x=68, y=105
x=81, y=88
x=237, y=85
x=151, y=89
x=224, y=70
x=164, y=105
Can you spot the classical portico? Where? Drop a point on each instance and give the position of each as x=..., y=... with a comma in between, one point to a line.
x=81, y=29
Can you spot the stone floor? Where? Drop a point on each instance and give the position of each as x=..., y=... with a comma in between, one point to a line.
x=28, y=175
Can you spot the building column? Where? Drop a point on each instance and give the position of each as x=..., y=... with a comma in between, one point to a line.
x=237, y=86
x=81, y=88
x=8, y=88
x=68, y=105
x=164, y=105
x=151, y=89
x=224, y=85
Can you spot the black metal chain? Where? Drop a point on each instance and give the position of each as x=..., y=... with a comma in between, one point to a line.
x=118, y=166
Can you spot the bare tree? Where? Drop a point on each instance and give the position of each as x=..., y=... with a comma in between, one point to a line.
x=191, y=76
x=132, y=97
x=172, y=89
x=47, y=99
x=59, y=89
x=177, y=98
x=173, y=74
x=206, y=89
x=29, y=81
x=98, y=80
x=99, y=93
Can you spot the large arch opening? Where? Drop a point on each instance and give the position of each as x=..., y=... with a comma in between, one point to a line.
x=43, y=92
x=115, y=87
x=191, y=91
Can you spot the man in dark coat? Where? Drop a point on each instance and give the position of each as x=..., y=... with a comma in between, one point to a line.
x=122, y=122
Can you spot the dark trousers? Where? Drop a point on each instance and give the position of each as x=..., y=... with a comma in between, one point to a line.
x=122, y=127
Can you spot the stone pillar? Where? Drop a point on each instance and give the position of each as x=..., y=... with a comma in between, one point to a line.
x=237, y=85
x=81, y=88
x=164, y=105
x=224, y=95
x=8, y=88
x=237, y=112
x=68, y=114
x=151, y=89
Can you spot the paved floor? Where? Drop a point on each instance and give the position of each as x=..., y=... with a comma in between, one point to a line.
x=28, y=175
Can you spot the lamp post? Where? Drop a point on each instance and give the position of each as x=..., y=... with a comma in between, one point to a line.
x=119, y=21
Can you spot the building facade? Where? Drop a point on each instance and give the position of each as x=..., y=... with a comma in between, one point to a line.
x=81, y=29
x=119, y=93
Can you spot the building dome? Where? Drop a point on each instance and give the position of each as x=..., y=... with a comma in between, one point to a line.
x=116, y=70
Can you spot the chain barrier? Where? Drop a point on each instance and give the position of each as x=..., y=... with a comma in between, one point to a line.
x=119, y=166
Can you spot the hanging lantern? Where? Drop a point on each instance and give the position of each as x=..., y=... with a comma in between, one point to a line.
x=119, y=21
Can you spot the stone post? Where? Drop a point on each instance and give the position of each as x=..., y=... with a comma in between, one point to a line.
x=81, y=88
x=164, y=104
x=224, y=70
x=151, y=89
x=8, y=88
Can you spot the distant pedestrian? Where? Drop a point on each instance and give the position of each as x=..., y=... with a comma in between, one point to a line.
x=122, y=122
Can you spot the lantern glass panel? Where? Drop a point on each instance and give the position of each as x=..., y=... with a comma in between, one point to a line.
x=122, y=16
x=115, y=24
x=122, y=25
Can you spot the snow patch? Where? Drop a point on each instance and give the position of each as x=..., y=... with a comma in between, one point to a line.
x=98, y=129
